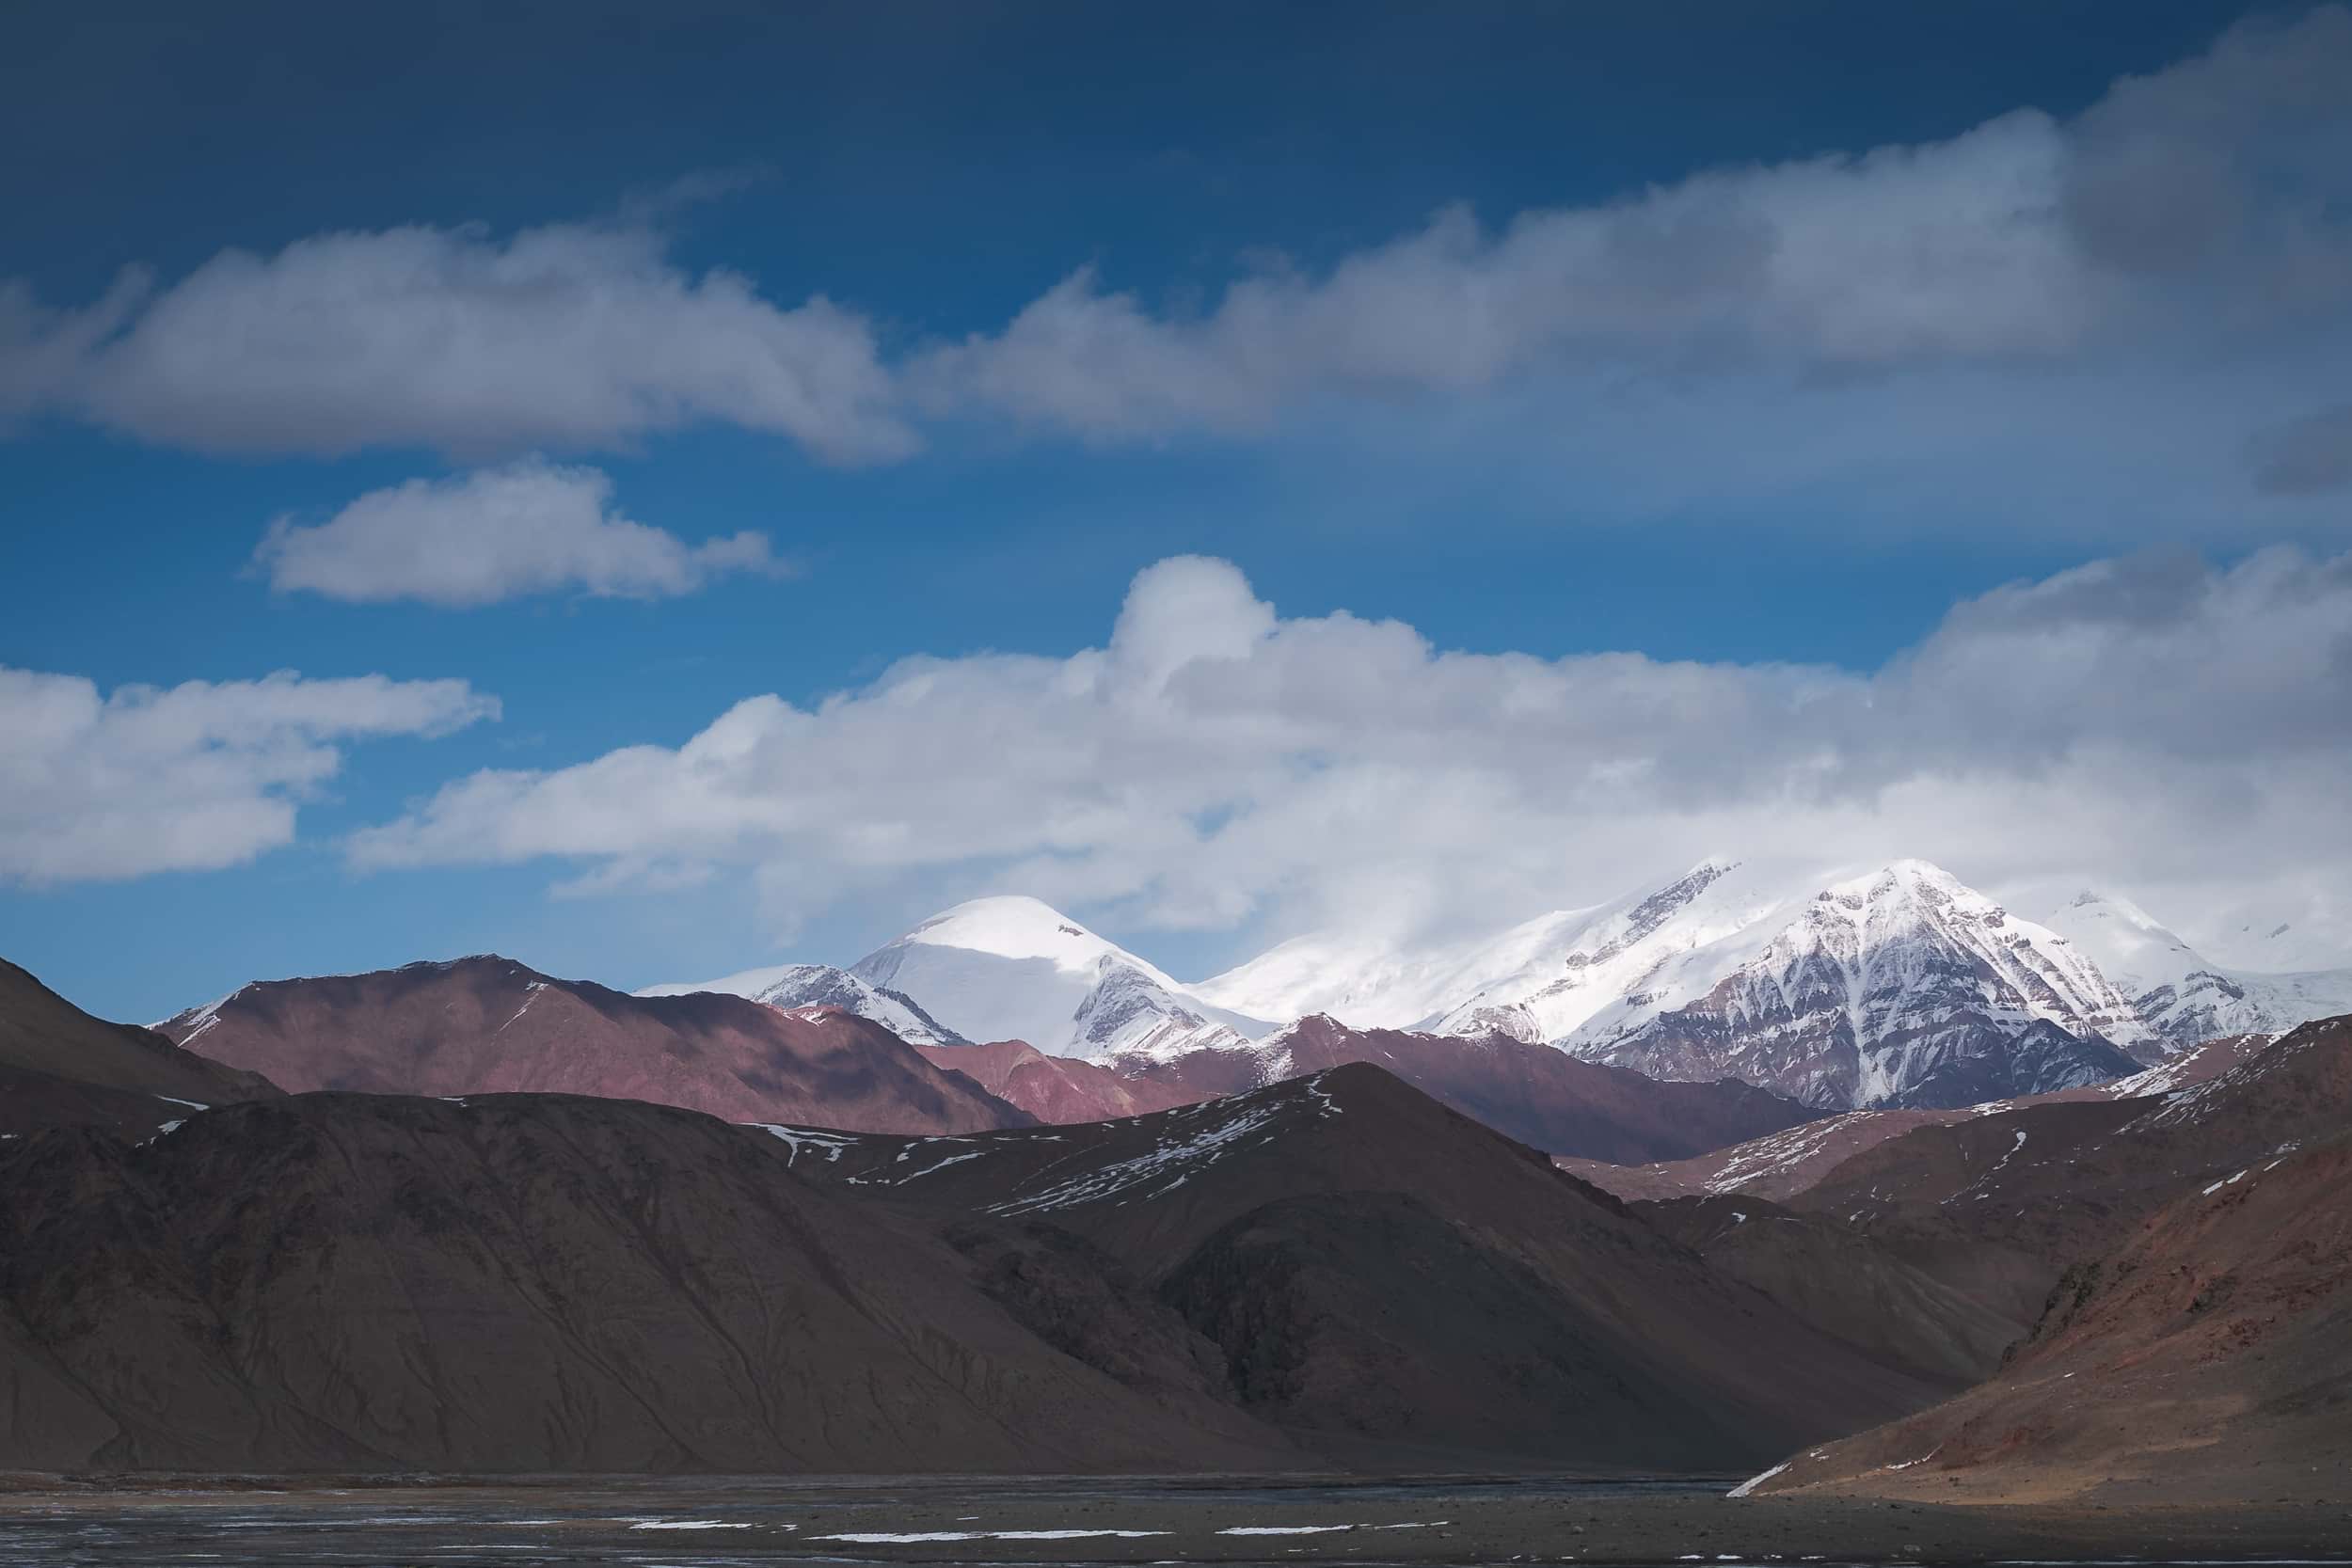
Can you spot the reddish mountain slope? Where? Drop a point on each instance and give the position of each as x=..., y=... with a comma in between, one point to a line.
x=59, y=1065
x=1057, y=1088
x=2208, y=1359
x=2195, y=1340
x=1846, y=1283
x=1782, y=1165
x=487, y=1025
x=1531, y=1093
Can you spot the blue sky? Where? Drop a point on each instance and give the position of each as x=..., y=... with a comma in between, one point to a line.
x=1579, y=417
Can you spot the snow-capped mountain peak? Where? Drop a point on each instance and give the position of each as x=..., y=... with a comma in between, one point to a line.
x=2184, y=996
x=2127, y=943
x=1902, y=986
x=1014, y=968
x=1636, y=950
x=1013, y=927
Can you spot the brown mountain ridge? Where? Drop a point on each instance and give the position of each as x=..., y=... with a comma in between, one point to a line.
x=489, y=1025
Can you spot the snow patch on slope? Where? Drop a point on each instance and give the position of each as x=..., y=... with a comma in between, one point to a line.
x=791, y=987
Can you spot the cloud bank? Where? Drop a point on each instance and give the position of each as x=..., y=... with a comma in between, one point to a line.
x=2155, y=722
x=193, y=778
x=500, y=533
x=2191, y=221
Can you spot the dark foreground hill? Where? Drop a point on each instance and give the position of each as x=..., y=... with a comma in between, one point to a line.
x=59, y=1065
x=1331, y=1270
x=530, y=1283
x=1379, y=1273
x=2195, y=1345
x=489, y=1025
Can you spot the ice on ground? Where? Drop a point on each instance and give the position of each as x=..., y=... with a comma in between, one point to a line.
x=827, y=1144
x=1749, y=1485
x=1285, y=1529
x=880, y=1538
x=1189, y=1147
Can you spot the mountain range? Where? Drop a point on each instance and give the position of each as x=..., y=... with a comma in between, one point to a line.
x=489, y=1025
x=343, y=1282
x=2138, y=1285
x=1899, y=988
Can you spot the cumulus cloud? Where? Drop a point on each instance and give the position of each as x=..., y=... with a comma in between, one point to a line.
x=573, y=336
x=499, y=534
x=2155, y=721
x=190, y=778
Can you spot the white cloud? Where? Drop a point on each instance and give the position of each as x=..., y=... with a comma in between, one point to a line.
x=499, y=534
x=564, y=336
x=191, y=778
x=2200, y=206
x=1903, y=254
x=2152, y=724
x=2191, y=231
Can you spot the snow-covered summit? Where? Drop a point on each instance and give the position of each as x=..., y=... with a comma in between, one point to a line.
x=1827, y=985
x=1662, y=943
x=1904, y=986
x=1015, y=927
x=1013, y=968
x=2130, y=947
x=2184, y=996
x=1535, y=980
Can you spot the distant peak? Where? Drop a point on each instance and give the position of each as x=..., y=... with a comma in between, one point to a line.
x=1009, y=911
x=1014, y=927
x=1904, y=875
x=2111, y=906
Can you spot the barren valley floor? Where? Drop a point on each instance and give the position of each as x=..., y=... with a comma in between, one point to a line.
x=706, y=1521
